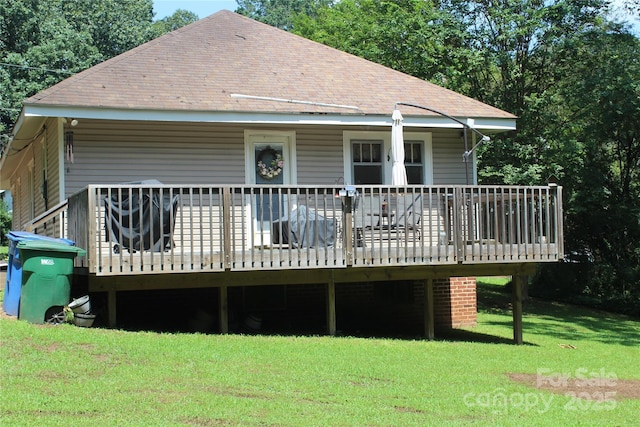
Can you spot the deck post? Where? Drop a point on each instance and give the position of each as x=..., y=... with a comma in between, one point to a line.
x=111, y=305
x=331, y=307
x=226, y=230
x=517, y=309
x=347, y=227
x=223, y=309
x=428, y=310
x=458, y=233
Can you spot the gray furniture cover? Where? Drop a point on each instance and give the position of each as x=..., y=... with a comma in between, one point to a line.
x=303, y=228
x=141, y=220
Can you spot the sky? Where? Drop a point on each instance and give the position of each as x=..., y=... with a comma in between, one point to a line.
x=202, y=8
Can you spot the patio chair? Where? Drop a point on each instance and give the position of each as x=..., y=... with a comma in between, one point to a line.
x=408, y=213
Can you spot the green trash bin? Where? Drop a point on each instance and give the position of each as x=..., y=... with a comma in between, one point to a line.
x=47, y=272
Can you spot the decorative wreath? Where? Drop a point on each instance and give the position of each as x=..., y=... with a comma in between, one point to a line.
x=273, y=168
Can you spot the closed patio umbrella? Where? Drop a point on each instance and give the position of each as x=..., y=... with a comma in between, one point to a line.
x=398, y=171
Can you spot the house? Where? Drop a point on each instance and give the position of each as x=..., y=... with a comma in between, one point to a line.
x=249, y=132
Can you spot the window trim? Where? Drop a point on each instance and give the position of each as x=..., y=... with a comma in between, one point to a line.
x=385, y=137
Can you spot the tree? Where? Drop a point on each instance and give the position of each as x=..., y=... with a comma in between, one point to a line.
x=603, y=216
x=5, y=222
x=414, y=37
x=279, y=13
x=39, y=48
x=572, y=77
x=45, y=41
x=179, y=19
x=514, y=42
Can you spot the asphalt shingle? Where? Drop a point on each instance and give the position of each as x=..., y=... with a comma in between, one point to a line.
x=199, y=66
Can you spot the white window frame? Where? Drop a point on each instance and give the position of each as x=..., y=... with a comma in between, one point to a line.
x=385, y=137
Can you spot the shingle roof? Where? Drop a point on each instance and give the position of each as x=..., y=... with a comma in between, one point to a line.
x=198, y=66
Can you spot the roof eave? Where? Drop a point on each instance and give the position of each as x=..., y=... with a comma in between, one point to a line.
x=334, y=118
x=14, y=153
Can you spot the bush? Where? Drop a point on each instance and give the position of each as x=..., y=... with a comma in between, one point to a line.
x=5, y=223
x=597, y=285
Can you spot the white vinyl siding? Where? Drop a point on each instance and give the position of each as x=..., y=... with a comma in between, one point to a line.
x=185, y=153
x=319, y=151
x=53, y=162
x=448, y=167
x=46, y=156
x=202, y=153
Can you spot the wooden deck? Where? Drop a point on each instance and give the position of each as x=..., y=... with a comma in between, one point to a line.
x=146, y=237
x=244, y=228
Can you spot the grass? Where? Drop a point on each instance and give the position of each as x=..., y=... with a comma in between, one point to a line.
x=4, y=253
x=63, y=374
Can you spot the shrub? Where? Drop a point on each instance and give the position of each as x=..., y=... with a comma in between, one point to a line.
x=5, y=223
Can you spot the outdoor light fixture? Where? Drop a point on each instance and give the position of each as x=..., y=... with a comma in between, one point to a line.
x=347, y=191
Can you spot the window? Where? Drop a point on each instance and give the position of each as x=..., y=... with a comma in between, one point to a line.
x=413, y=162
x=367, y=162
x=367, y=157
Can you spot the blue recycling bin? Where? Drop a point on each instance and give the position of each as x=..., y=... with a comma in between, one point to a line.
x=13, y=285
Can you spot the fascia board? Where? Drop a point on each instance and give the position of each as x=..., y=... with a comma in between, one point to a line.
x=258, y=117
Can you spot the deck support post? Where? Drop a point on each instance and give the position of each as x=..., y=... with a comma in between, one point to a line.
x=111, y=306
x=429, y=319
x=517, y=309
x=331, y=307
x=223, y=310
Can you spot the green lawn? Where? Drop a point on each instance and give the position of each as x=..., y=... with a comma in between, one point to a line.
x=57, y=375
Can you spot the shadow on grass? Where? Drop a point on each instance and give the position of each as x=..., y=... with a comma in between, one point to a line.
x=466, y=335
x=173, y=312
x=560, y=321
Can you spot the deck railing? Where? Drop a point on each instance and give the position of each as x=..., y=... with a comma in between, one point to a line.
x=138, y=229
x=52, y=223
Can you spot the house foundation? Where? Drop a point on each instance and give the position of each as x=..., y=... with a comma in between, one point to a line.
x=399, y=302
x=455, y=302
x=391, y=308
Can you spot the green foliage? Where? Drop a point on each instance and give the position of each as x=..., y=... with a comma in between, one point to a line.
x=414, y=37
x=179, y=19
x=279, y=13
x=602, y=112
x=517, y=45
x=5, y=223
x=45, y=41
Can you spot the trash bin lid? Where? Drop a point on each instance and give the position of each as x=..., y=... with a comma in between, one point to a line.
x=18, y=236
x=49, y=246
